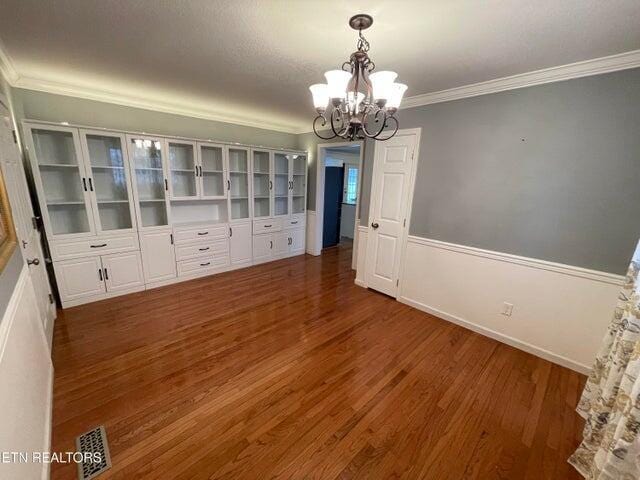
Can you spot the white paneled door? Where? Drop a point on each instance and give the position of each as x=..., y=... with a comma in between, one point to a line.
x=24, y=218
x=391, y=186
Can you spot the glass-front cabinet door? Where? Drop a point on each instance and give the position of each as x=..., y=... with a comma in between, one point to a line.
x=149, y=180
x=262, y=183
x=298, y=183
x=238, y=183
x=281, y=184
x=63, y=186
x=184, y=173
x=109, y=182
x=212, y=171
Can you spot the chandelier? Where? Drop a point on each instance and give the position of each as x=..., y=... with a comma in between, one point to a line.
x=361, y=104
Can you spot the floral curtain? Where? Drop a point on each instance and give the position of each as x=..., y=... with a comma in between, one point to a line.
x=610, y=401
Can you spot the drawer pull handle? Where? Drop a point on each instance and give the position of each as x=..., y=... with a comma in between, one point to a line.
x=268, y=226
x=203, y=233
x=204, y=249
x=99, y=246
x=205, y=264
x=293, y=223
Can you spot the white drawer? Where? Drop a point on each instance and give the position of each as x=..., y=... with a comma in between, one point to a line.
x=64, y=249
x=265, y=226
x=204, y=233
x=188, y=252
x=187, y=267
x=294, y=222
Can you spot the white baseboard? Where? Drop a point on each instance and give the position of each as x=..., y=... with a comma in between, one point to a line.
x=487, y=332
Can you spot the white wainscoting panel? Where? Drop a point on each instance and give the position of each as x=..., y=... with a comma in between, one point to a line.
x=361, y=261
x=311, y=233
x=26, y=381
x=560, y=312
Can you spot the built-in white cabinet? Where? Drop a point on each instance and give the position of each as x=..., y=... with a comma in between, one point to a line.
x=122, y=271
x=83, y=181
x=125, y=212
x=158, y=255
x=238, y=182
x=80, y=278
x=150, y=180
x=184, y=171
x=240, y=244
x=99, y=276
x=201, y=249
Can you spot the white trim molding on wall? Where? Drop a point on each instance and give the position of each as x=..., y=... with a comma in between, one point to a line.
x=596, y=66
x=560, y=312
x=26, y=376
x=361, y=260
x=311, y=232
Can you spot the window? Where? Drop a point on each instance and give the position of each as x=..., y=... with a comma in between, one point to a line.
x=350, y=184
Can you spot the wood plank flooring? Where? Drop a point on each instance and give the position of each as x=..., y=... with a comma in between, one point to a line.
x=288, y=370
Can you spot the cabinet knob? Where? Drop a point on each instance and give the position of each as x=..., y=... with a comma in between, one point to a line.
x=374, y=225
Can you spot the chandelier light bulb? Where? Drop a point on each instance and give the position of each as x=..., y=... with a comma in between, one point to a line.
x=397, y=92
x=320, y=93
x=381, y=83
x=337, y=81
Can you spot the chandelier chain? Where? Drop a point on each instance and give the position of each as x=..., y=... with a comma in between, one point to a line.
x=363, y=44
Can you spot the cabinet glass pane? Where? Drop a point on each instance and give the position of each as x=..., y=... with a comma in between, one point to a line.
x=239, y=208
x=299, y=184
x=212, y=171
x=211, y=158
x=109, y=181
x=239, y=183
x=150, y=181
x=182, y=165
x=61, y=181
x=261, y=184
x=281, y=184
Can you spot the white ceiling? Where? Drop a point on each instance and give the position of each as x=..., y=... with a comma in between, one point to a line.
x=252, y=61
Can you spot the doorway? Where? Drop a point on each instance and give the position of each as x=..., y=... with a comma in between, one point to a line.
x=338, y=184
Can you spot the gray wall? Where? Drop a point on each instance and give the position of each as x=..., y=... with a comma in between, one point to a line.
x=550, y=172
x=11, y=272
x=59, y=108
x=9, y=278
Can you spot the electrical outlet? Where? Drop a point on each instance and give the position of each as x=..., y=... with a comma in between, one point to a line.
x=507, y=309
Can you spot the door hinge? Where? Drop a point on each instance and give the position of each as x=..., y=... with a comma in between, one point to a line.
x=50, y=298
x=15, y=136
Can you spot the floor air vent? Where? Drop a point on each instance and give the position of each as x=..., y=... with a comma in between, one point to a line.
x=95, y=453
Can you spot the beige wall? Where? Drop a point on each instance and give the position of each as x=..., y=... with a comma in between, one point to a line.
x=35, y=105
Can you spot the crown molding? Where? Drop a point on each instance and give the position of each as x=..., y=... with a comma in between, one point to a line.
x=16, y=80
x=7, y=70
x=596, y=66
x=153, y=104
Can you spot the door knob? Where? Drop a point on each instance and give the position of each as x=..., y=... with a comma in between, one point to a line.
x=374, y=225
x=35, y=261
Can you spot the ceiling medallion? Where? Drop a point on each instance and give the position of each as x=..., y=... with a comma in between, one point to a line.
x=361, y=104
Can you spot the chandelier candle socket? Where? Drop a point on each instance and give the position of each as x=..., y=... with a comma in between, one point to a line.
x=355, y=102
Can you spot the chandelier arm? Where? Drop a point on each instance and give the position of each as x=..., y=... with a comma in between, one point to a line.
x=377, y=120
x=386, y=124
x=324, y=122
x=345, y=125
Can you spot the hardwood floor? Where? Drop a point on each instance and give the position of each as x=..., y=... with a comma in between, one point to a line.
x=288, y=370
